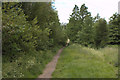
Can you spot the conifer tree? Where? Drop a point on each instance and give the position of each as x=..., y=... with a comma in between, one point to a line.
x=101, y=33
x=73, y=26
x=114, y=29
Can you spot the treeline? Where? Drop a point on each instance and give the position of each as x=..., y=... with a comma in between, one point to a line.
x=30, y=26
x=92, y=31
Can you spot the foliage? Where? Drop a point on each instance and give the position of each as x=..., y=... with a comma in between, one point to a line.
x=101, y=33
x=92, y=31
x=85, y=36
x=27, y=65
x=114, y=29
x=46, y=18
x=80, y=26
x=73, y=25
x=30, y=38
x=24, y=35
x=15, y=29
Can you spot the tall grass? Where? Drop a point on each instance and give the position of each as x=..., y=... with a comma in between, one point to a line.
x=27, y=65
x=77, y=61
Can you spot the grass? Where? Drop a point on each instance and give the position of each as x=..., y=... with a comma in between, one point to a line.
x=82, y=62
x=27, y=65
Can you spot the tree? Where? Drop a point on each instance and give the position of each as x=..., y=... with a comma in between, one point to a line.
x=44, y=12
x=80, y=26
x=101, y=33
x=84, y=12
x=114, y=29
x=73, y=26
x=85, y=36
x=96, y=18
x=16, y=34
x=47, y=18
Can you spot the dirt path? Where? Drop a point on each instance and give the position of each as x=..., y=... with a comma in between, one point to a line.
x=50, y=67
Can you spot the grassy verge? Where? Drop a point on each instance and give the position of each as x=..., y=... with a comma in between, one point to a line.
x=82, y=62
x=27, y=65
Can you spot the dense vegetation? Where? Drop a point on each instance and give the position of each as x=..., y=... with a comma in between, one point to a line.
x=92, y=31
x=32, y=33
x=77, y=61
x=23, y=34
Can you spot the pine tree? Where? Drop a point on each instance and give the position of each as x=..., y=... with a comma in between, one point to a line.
x=101, y=33
x=114, y=29
x=84, y=12
x=73, y=26
x=85, y=36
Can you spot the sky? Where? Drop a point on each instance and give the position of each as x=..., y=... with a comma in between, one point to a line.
x=105, y=8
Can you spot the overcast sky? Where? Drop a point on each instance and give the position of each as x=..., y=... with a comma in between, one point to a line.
x=105, y=8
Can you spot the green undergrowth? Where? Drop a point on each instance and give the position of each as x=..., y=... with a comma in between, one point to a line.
x=77, y=61
x=26, y=65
